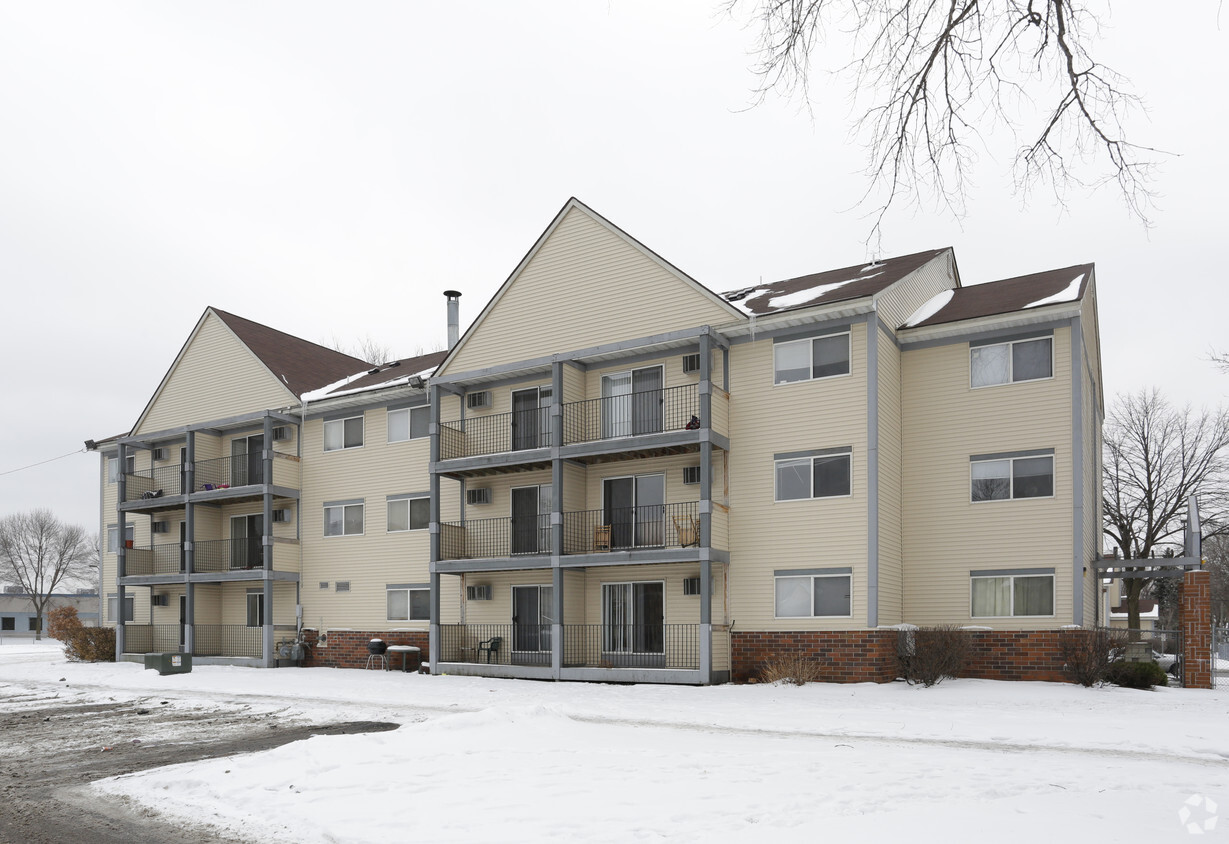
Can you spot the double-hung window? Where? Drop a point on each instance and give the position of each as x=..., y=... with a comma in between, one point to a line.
x=409, y=602
x=999, y=477
x=130, y=467
x=343, y=518
x=814, y=593
x=113, y=536
x=812, y=358
x=1011, y=593
x=343, y=433
x=1025, y=359
x=129, y=607
x=408, y=423
x=408, y=512
x=824, y=473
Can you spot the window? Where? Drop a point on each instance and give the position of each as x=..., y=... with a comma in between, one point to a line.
x=804, y=360
x=33, y=624
x=818, y=476
x=409, y=514
x=1010, y=595
x=343, y=519
x=8, y=623
x=1018, y=360
x=130, y=463
x=408, y=423
x=113, y=536
x=343, y=433
x=1012, y=477
x=256, y=609
x=814, y=595
x=129, y=607
x=409, y=604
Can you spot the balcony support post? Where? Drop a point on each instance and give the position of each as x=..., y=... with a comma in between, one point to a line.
x=556, y=520
x=706, y=503
x=266, y=541
x=433, y=637
x=121, y=557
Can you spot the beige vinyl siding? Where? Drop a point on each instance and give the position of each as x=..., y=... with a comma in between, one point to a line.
x=891, y=576
x=766, y=535
x=216, y=377
x=900, y=300
x=498, y=610
x=582, y=266
x=376, y=558
x=946, y=534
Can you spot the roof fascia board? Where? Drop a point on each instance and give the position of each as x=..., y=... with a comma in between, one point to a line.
x=979, y=327
x=788, y=321
x=574, y=203
x=214, y=425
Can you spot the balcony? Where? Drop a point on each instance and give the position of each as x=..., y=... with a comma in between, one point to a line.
x=648, y=419
x=585, y=646
x=211, y=640
x=167, y=558
x=210, y=557
x=224, y=477
x=614, y=529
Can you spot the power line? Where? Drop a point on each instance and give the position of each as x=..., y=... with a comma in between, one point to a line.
x=41, y=462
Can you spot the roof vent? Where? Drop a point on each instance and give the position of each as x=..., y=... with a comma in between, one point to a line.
x=454, y=316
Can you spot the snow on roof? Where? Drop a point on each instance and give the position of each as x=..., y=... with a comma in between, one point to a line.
x=929, y=308
x=1068, y=294
x=316, y=395
x=801, y=297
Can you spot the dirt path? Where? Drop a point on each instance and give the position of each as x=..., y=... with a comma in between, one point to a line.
x=52, y=747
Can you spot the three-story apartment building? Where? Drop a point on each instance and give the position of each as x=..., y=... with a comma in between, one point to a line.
x=617, y=473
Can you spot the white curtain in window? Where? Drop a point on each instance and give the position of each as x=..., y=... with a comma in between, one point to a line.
x=991, y=597
x=990, y=365
x=793, y=597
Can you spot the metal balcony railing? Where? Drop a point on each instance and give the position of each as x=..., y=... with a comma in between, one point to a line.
x=152, y=638
x=168, y=558
x=630, y=528
x=488, y=538
x=154, y=483
x=218, y=555
x=226, y=472
x=672, y=646
x=228, y=640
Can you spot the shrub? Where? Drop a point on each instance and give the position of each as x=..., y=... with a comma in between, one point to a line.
x=1088, y=654
x=792, y=668
x=1136, y=675
x=930, y=654
x=62, y=622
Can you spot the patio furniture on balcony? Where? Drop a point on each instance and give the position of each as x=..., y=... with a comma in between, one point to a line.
x=601, y=538
x=490, y=646
x=687, y=529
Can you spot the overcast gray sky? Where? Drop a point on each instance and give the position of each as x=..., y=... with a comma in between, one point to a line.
x=329, y=169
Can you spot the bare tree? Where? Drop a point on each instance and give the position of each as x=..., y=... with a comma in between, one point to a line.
x=40, y=553
x=1216, y=552
x=1156, y=458
x=366, y=349
x=938, y=71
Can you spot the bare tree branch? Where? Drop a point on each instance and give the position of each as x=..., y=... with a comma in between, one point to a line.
x=39, y=553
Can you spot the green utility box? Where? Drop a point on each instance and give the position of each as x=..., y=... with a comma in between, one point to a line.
x=174, y=663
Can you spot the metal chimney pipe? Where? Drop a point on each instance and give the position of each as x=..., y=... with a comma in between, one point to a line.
x=454, y=316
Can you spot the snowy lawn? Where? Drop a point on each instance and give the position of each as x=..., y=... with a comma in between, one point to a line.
x=507, y=760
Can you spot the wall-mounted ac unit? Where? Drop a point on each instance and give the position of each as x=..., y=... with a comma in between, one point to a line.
x=479, y=399
x=324, y=584
x=160, y=600
x=691, y=586
x=160, y=453
x=342, y=586
x=160, y=527
x=281, y=433
x=481, y=592
x=283, y=515
x=480, y=495
x=691, y=363
x=691, y=474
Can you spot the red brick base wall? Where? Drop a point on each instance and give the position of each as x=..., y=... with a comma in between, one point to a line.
x=855, y=656
x=348, y=648
x=1195, y=600
x=860, y=656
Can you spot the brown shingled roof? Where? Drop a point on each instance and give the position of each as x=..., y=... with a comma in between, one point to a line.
x=854, y=282
x=394, y=370
x=1011, y=294
x=301, y=365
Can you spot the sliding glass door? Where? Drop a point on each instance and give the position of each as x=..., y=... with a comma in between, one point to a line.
x=632, y=402
x=634, y=508
x=633, y=618
x=531, y=519
x=531, y=618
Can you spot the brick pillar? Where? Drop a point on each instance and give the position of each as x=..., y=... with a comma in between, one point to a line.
x=1196, y=605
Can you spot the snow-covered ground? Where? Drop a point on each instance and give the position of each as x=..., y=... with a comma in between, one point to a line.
x=506, y=760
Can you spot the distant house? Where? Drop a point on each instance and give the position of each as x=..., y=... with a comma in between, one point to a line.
x=17, y=616
x=618, y=473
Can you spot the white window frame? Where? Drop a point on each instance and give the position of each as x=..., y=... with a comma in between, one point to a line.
x=342, y=422
x=343, y=508
x=809, y=341
x=848, y=576
x=409, y=513
x=260, y=610
x=848, y=455
x=409, y=422
x=130, y=532
x=113, y=467
x=1011, y=601
x=130, y=607
x=1011, y=478
x=1011, y=374
x=409, y=603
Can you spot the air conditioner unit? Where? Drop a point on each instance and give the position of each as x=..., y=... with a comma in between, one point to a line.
x=481, y=495
x=342, y=586
x=479, y=399
x=324, y=584
x=481, y=592
x=160, y=527
x=691, y=586
x=281, y=433
x=281, y=516
x=160, y=600
x=691, y=474
x=691, y=363
x=160, y=453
